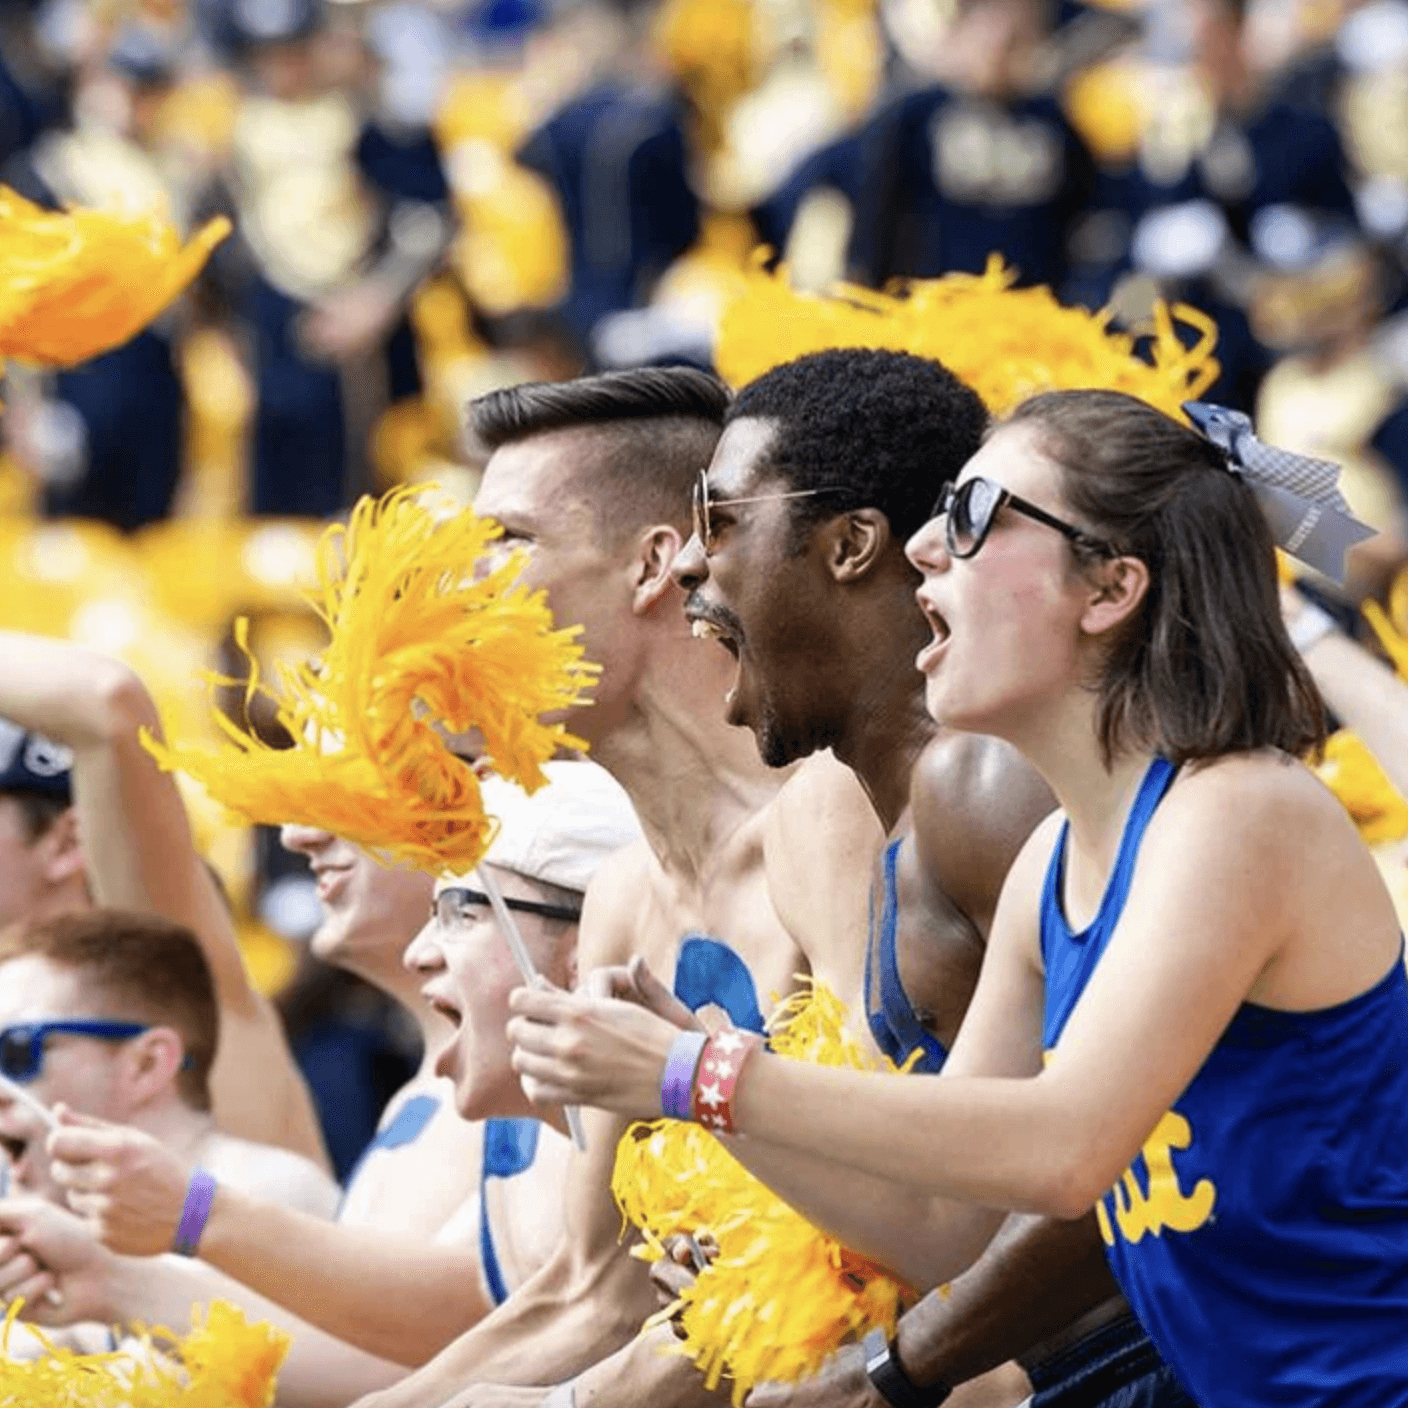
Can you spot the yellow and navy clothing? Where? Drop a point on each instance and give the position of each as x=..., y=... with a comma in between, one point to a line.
x=617, y=160
x=948, y=179
x=1261, y=1235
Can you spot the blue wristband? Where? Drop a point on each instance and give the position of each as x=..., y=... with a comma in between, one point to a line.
x=677, y=1083
x=200, y=1194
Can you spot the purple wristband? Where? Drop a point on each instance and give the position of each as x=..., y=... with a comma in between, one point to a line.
x=200, y=1193
x=677, y=1084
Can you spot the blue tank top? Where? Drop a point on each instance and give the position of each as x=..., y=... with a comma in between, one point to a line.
x=1261, y=1235
x=893, y=1021
x=510, y=1145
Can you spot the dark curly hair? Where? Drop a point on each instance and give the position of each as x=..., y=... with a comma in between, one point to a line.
x=888, y=427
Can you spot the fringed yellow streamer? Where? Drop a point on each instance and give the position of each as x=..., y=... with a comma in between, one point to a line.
x=80, y=282
x=223, y=1362
x=416, y=637
x=1006, y=343
x=781, y=1296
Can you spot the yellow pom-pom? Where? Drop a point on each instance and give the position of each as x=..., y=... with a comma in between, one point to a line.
x=1350, y=771
x=80, y=282
x=424, y=630
x=1006, y=343
x=223, y=1362
x=780, y=1297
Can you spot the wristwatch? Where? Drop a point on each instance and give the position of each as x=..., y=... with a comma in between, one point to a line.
x=887, y=1375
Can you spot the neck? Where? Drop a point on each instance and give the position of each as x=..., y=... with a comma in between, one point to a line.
x=179, y=1127
x=1096, y=797
x=887, y=726
x=692, y=778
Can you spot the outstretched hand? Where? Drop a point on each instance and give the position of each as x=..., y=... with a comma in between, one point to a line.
x=605, y=1045
x=128, y=1186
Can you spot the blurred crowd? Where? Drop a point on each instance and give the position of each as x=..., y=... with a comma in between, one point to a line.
x=434, y=198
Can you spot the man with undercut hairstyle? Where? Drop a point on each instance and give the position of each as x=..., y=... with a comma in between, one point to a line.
x=797, y=566
x=592, y=478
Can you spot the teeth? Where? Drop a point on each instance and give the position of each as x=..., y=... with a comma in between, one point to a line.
x=705, y=630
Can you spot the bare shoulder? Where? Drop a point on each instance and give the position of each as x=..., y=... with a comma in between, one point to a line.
x=820, y=840
x=272, y=1174
x=612, y=907
x=1264, y=799
x=820, y=814
x=975, y=801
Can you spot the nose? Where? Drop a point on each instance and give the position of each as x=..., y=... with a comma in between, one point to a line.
x=690, y=568
x=423, y=954
x=927, y=548
x=304, y=840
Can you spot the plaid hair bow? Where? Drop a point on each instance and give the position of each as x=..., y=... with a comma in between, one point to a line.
x=1299, y=496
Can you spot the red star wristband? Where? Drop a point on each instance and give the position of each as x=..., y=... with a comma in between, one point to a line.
x=717, y=1077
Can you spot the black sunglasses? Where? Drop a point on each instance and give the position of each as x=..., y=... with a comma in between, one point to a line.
x=701, y=503
x=448, y=908
x=968, y=510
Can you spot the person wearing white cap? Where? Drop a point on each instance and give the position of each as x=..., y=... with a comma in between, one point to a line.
x=346, y=1292
x=547, y=849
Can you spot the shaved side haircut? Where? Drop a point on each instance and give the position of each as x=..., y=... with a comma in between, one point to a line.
x=646, y=434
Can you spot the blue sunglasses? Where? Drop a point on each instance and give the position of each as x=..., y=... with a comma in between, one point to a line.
x=22, y=1046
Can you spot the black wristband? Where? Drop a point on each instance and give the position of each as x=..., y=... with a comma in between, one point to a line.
x=887, y=1376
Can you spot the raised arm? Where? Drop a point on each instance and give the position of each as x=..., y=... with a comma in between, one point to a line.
x=140, y=855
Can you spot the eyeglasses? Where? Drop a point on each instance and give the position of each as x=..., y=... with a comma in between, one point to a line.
x=22, y=1046
x=449, y=908
x=702, y=503
x=968, y=510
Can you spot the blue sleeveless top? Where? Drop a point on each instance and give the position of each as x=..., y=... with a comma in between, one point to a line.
x=893, y=1021
x=1261, y=1235
x=510, y=1145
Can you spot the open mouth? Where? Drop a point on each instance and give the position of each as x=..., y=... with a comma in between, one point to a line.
x=939, y=625
x=14, y=1148
x=442, y=1004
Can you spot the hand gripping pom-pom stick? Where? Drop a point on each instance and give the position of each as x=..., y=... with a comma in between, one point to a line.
x=21, y=1096
x=509, y=928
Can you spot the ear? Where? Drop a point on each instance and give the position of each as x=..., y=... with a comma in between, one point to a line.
x=854, y=543
x=1118, y=588
x=62, y=849
x=656, y=550
x=153, y=1063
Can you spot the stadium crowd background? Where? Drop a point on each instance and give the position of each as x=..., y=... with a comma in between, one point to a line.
x=433, y=198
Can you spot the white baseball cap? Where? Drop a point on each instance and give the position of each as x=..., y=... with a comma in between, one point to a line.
x=563, y=831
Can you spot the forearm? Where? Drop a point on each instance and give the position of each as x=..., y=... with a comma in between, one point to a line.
x=72, y=695
x=1021, y=1144
x=647, y=1370
x=898, y=1226
x=554, y=1326
x=320, y=1371
x=1368, y=697
x=397, y=1297
x=1036, y=1279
